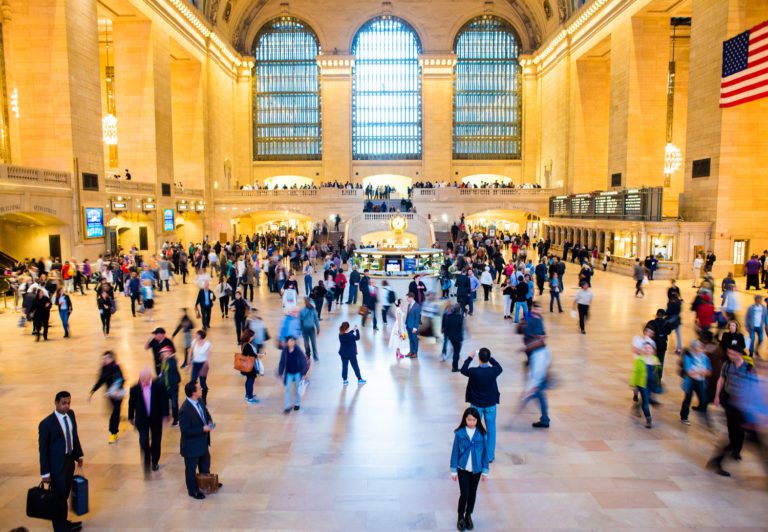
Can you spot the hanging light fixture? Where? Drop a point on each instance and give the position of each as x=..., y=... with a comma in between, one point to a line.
x=673, y=157
x=109, y=122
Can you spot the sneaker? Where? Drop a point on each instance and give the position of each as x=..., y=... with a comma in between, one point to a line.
x=345, y=383
x=287, y=410
x=648, y=423
x=360, y=382
x=112, y=439
x=685, y=422
x=540, y=425
x=296, y=407
x=252, y=400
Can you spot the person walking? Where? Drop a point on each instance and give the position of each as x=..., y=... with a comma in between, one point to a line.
x=348, y=352
x=638, y=274
x=581, y=303
x=696, y=369
x=292, y=368
x=308, y=271
x=398, y=338
x=157, y=342
x=453, y=330
x=196, y=425
x=521, y=299
x=487, y=282
x=240, y=306
x=483, y=392
x=412, y=322
x=41, y=314
x=134, y=291
x=318, y=297
x=147, y=411
x=59, y=448
x=756, y=322
x=539, y=359
x=469, y=462
x=186, y=325
x=111, y=376
x=201, y=352
x=310, y=328
x=223, y=292
x=555, y=288
x=65, y=309
x=249, y=350
x=387, y=297
x=204, y=304
x=645, y=379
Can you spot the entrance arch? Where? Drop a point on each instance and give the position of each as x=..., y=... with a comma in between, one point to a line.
x=134, y=229
x=504, y=220
x=34, y=234
x=400, y=183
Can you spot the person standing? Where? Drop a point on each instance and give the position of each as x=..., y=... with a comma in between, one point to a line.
x=111, y=376
x=41, y=314
x=581, y=302
x=105, y=305
x=157, y=342
x=638, y=274
x=469, y=461
x=521, y=299
x=310, y=327
x=412, y=321
x=757, y=322
x=483, y=392
x=348, y=352
x=134, y=291
x=240, y=306
x=196, y=425
x=698, y=262
x=487, y=282
x=354, y=282
x=249, y=350
x=65, y=309
x=201, y=351
x=59, y=449
x=171, y=378
x=555, y=287
x=147, y=411
x=293, y=366
x=453, y=330
x=398, y=338
x=204, y=304
x=463, y=288
x=541, y=275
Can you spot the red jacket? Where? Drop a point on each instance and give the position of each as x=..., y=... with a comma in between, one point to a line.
x=340, y=280
x=705, y=312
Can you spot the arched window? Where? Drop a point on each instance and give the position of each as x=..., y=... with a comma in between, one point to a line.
x=487, y=103
x=386, y=91
x=286, y=92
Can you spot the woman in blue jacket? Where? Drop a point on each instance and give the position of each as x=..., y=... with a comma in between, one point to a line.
x=348, y=351
x=469, y=463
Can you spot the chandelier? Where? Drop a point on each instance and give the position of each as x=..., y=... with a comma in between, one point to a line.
x=673, y=159
x=109, y=122
x=109, y=130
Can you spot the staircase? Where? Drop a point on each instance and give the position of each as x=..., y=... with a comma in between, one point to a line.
x=442, y=238
x=6, y=261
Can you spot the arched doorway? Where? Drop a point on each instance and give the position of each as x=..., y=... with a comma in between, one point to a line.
x=34, y=235
x=400, y=183
x=134, y=229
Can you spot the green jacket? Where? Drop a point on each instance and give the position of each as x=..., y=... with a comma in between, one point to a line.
x=639, y=377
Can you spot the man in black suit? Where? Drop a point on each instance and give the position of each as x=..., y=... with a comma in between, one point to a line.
x=463, y=287
x=453, y=329
x=59, y=450
x=483, y=392
x=147, y=411
x=196, y=425
x=204, y=304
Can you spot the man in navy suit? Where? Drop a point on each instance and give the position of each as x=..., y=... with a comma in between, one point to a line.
x=204, y=304
x=196, y=425
x=412, y=321
x=147, y=411
x=59, y=450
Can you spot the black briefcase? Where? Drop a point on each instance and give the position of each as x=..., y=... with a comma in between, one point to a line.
x=42, y=503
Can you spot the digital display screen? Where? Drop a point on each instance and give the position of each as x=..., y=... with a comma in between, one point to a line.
x=168, y=220
x=94, y=222
x=392, y=265
x=409, y=265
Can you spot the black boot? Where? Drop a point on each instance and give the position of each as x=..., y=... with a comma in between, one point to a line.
x=460, y=524
x=468, y=522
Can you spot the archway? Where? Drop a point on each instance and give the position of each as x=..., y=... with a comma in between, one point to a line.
x=134, y=229
x=506, y=221
x=287, y=181
x=288, y=222
x=34, y=235
x=400, y=183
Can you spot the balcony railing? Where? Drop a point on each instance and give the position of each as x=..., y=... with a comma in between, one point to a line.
x=184, y=192
x=130, y=186
x=463, y=194
x=22, y=175
x=323, y=194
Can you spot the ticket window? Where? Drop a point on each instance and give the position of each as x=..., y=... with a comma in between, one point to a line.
x=625, y=245
x=662, y=247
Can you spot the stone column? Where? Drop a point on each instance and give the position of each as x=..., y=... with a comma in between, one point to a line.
x=437, y=119
x=336, y=76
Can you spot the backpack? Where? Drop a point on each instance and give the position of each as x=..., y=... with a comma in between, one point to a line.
x=391, y=296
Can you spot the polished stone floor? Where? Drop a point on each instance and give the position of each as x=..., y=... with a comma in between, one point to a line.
x=376, y=457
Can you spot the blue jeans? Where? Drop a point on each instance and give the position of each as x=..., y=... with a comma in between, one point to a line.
x=310, y=341
x=413, y=341
x=307, y=284
x=249, y=379
x=489, y=418
x=542, y=398
x=64, y=314
x=292, y=378
x=753, y=331
x=472, y=302
x=352, y=297
x=520, y=305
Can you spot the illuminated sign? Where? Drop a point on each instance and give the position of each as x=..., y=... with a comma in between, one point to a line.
x=168, y=220
x=181, y=207
x=94, y=222
x=119, y=205
x=149, y=206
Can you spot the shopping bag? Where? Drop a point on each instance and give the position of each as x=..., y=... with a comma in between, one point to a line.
x=79, y=497
x=141, y=309
x=574, y=314
x=645, y=280
x=42, y=503
x=259, y=366
x=303, y=385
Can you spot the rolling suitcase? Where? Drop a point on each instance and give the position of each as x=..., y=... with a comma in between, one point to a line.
x=79, y=497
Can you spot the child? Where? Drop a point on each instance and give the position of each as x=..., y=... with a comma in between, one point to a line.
x=645, y=379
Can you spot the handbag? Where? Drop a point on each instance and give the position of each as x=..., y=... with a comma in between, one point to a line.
x=43, y=503
x=259, y=366
x=79, y=497
x=244, y=363
x=363, y=310
x=207, y=482
x=116, y=391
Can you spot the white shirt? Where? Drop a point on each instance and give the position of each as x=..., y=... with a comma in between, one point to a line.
x=583, y=297
x=471, y=434
x=201, y=351
x=64, y=431
x=697, y=262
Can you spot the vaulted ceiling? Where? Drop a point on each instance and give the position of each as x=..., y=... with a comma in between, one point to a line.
x=336, y=20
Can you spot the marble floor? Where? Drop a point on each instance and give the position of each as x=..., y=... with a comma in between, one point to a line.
x=376, y=457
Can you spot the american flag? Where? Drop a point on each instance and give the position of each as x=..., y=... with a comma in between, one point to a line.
x=745, y=67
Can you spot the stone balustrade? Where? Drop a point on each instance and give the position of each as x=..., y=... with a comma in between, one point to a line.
x=114, y=186
x=38, y=177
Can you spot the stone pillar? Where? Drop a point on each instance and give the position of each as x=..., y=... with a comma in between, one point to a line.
x=188, y=128
x=437, y=102
x=243, y=167
x=532, y=170
x=336, y=76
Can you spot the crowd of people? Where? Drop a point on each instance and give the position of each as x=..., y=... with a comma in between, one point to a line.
x=719, y=366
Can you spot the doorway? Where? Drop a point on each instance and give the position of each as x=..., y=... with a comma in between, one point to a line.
x=143, y=239
x=54, y=246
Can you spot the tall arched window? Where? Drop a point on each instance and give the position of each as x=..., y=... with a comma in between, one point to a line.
x=487, y=102
x=286, y=92
x=386, y=91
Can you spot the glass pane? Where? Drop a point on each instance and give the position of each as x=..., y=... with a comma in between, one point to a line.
x=286, y=92
x=487, y=99
x=386, y=91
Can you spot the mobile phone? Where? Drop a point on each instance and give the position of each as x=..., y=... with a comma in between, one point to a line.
x=212, y=425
